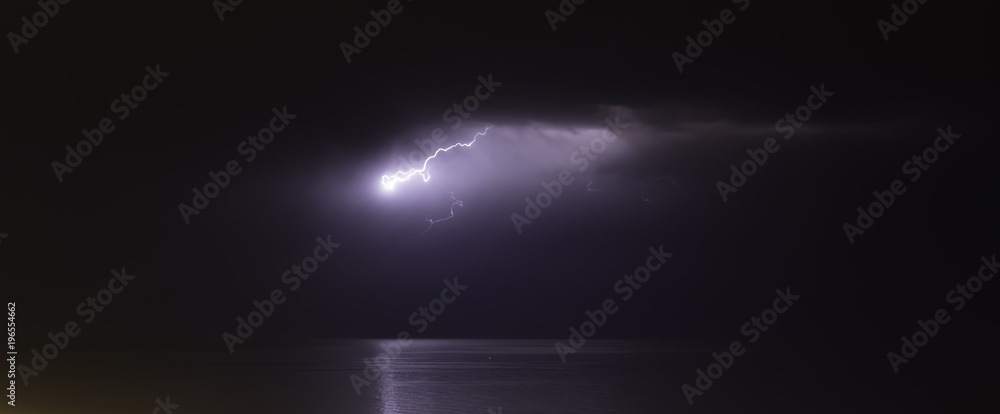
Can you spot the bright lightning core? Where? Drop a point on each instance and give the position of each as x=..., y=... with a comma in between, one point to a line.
x=389, y=181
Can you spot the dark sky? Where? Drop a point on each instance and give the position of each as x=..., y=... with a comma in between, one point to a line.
x=320, y=175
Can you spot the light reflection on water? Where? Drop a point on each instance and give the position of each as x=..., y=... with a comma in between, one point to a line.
x=429, y=376
x=472, y=376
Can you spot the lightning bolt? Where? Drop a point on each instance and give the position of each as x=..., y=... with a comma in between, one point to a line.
x=590, y=183
x=430, y=222
x=389, y=181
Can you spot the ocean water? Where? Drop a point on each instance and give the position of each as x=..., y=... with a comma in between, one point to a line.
x=444, y=376
x=428, y=376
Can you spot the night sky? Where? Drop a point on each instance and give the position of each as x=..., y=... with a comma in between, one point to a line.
x=658, y=182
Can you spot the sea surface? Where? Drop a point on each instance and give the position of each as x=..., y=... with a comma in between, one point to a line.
x=444, y=376
x=428, y=376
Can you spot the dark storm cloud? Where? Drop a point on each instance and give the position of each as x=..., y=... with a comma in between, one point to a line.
x=322, y=175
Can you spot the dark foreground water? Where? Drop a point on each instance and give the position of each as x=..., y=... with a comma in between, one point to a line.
x=474, y=376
